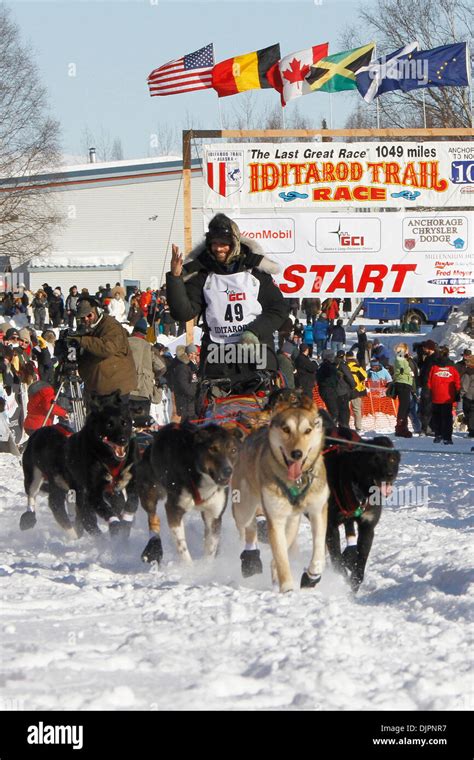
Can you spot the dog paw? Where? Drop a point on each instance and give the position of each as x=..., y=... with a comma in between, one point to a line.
x=27, y=520
x=119, y=529
x=251, y=563
x=153, y=551
x=355, y=582
x=286, y=588
x=309, y=581
x=349, y=558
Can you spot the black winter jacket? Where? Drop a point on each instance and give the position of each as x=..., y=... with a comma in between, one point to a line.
x=305, y=374
x=186, y=300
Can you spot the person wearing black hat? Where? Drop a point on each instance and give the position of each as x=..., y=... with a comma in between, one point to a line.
x=345, y=389
x=305, y=371
x=461, y=365
x=105, y=359
x=327, y=380
x=227, y=281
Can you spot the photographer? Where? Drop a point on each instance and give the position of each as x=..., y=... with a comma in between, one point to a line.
x=105, y=359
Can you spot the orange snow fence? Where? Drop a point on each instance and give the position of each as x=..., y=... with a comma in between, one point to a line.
x=379, y=412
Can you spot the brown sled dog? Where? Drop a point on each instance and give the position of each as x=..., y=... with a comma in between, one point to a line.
x=280, y=470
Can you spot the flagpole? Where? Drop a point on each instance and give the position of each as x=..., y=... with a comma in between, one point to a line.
x=469, y=77
x=471, y=106
x=377, y=108
x=282, y=117
x=424, y=108
x=220, y=112
x=330, y=110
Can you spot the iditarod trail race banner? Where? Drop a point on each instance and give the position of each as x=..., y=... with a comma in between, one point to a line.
x=378, y=254
x=340, y=175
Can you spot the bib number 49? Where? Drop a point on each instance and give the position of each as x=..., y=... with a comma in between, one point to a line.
x=234, y=312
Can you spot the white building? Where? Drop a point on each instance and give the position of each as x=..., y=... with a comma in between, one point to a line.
x=121, y=218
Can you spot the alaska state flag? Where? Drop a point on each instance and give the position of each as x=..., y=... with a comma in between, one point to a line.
x=411, y=69
x=445, y=66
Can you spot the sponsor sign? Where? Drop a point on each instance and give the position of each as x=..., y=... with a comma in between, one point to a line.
x=405, y=255
x=340, y=175
x=435, y=233
x=274, y=234
x=347, y=234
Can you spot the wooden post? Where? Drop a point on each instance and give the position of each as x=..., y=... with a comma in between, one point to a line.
x=188, y=135
x=187, y=213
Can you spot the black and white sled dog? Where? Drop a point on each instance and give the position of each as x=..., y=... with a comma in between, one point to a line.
x=97, y=463
x=191, y=468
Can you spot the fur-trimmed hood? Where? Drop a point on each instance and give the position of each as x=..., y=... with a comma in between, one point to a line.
x=265, y=264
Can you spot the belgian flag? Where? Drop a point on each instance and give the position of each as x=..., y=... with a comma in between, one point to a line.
x=245, y=72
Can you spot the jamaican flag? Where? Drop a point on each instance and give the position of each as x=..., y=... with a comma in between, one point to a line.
x=337, y=72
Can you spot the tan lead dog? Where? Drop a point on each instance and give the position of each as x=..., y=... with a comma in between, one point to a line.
x=281, y=472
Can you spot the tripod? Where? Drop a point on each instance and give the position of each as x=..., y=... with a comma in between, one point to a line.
x=71, y=385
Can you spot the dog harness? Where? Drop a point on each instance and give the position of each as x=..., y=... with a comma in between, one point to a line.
x=195, y=494
x=349, y=495
x=295, y=493
x=115, y=471
x=355, y=507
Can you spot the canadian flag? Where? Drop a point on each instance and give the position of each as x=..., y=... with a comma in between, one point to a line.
x=287, y=76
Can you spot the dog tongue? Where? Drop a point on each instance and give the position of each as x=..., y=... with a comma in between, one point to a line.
x=386, y=489
x=294, y=470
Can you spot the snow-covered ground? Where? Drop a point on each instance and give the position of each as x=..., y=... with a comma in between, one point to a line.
x=90, y=627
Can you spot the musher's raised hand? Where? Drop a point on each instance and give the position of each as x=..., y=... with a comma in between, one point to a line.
x=176, y=261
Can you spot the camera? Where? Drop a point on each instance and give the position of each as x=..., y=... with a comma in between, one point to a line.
x=65, y=350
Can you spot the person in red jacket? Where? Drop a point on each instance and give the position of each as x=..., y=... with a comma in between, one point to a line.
x=331, y=308
x=145, y=301
x=445, y=386
x=40, y=397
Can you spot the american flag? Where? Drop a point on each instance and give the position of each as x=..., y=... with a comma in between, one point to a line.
x=192, y=72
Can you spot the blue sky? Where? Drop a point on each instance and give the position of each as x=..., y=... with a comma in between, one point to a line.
x=110, y=47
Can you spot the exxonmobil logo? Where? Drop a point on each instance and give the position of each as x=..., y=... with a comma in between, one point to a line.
x=266, y=234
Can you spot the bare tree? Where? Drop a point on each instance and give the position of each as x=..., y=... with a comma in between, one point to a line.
x=29, y=145
x=106, y=147
x=394, y=23
x=103, y=144
x=164, y=141
x=117, y=150
x=87, y=141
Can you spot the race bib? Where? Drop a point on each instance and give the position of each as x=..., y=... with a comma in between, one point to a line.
x=231, y=304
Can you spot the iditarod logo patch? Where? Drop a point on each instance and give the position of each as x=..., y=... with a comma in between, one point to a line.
x=225, y=171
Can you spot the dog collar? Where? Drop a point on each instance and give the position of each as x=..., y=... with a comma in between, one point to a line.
x=195, y=494
x=295, y=493
x=352, y=496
